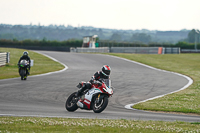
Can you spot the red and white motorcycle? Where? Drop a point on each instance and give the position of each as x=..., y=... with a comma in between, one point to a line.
x=95, y=99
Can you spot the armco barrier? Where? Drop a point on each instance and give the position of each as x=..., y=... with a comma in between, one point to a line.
x=171, y=50
x=91, y=50
x=4, y=58
x=190, y=51
x=136, y=50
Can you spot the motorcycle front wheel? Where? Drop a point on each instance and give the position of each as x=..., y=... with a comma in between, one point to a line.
x=99, y=106
x=22, y=73
x=70, y=104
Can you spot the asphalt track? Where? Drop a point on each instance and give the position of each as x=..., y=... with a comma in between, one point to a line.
x=45, y=95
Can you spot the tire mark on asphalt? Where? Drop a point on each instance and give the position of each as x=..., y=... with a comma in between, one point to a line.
x=151, y=90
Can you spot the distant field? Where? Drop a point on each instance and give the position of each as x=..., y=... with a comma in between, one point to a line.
x=185, y=101
x=42, y=64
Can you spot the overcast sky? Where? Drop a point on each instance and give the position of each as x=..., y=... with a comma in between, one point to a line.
x=112, y=14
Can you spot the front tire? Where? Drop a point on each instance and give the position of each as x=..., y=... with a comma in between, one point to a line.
x=70, y=104
x=99, y=107
x=22, y=73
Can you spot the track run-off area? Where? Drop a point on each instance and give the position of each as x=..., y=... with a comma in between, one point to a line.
x=45, y=95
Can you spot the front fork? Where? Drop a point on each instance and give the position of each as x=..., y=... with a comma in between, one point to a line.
x=99, y=98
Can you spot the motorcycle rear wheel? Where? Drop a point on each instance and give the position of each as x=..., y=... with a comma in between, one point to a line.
x=70, y=104
x=99, y=107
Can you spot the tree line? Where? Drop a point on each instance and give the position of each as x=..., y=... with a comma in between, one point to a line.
x=78, y=43
x=29, y=35
x=62, y=33
x=41, y=43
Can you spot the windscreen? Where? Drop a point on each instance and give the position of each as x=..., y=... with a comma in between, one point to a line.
x=23, y=62
x=107, y=82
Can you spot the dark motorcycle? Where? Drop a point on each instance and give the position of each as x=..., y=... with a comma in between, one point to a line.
x=23, y=69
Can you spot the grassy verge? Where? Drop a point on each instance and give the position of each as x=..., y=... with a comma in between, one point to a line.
x=30, y=124
x=186, y=101
x=42, y=64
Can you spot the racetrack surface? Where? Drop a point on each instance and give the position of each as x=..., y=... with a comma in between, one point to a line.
x=45, y=95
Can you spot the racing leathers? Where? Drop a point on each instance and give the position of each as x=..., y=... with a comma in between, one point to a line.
x=98, y=76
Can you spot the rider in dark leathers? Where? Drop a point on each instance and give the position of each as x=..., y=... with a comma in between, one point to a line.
x=27, y=58
x=98, y=76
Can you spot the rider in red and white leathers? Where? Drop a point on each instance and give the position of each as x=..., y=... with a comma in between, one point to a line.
x=98, y=76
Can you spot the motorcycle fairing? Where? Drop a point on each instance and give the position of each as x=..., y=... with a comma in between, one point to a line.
x=107, y=82
x=88, y=98
x=23, y=63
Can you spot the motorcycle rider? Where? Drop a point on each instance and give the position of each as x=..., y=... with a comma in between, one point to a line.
x=98, y=76
x=27, y=58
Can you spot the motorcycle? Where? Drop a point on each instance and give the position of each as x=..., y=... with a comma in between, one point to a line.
x=23, y=72
x=95, y=99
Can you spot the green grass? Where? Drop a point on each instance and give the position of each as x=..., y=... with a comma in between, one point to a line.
x=42, y=64
x=185, y=101
x=36, y=124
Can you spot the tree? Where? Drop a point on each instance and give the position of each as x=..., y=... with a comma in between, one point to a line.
x=115, y=37
x=193, y=36
x=141, y=37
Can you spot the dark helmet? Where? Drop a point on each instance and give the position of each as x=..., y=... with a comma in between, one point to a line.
x=106, y=70
x=25, y=53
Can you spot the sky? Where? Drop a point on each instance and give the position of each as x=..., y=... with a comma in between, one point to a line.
x=162, y=15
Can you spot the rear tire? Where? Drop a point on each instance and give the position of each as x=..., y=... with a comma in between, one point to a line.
x=99, y=107
x=70, y=104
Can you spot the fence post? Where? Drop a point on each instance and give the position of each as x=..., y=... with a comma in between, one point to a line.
x=8, y=57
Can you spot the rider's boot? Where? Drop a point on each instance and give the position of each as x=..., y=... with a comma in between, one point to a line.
x=28, y=71
x=79, y=93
